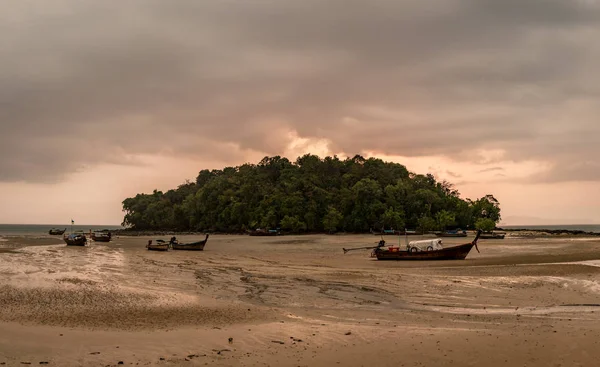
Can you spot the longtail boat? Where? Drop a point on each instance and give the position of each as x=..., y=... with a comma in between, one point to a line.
x=160, y=245
x=454, y=233
x=102, y=236
x=414, y=252
x=75, y=239
x=385, y=232
x=193, y=246
x=56, y=232
x=405, y=232
x=492, y=236
x=262, y=232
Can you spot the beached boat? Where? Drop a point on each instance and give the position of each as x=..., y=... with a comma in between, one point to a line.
x=492, y=236
x=75, y=239
x=56, y=231
x=403, y=232
x=193, y=246
x=410, y=232
x=102, y=236
x=453, y=233
x=431, y=252
x=385, y=232
x=422, y=250
x=263, y=232
x=160, y=245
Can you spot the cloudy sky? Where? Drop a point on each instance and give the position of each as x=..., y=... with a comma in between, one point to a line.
x=100, y=100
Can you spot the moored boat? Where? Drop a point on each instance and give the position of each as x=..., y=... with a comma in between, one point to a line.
x=492, y=236
x=385, y=232
x=410, y=232
x=193, y=246
x=56, y=232
x=160, y=245
x=102, y=236
x=404, y=232
x=422, y=251
x=263, y=232
x=453, y=233
x=75, y=239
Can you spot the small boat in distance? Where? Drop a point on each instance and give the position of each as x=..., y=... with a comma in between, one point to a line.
x=263, y=232
x=414, y=251
x=160, y=245
x=410, y=232
x=193, y=246
x=404, y=232
x=75, y=239
x=385, y=232
x=102, y=236
x=56, y=232
x=492, y=236
x=453, y=233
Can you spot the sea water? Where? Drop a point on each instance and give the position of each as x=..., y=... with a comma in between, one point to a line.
x=570, y=227
x=41, y=229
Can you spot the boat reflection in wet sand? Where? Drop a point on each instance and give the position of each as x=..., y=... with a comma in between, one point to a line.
x=422, y=250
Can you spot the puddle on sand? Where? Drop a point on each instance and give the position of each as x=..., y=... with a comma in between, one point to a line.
x=544, y=310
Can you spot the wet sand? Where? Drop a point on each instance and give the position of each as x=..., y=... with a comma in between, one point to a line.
x=298, y=301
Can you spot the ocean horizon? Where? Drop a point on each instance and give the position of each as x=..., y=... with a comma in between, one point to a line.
x=553, y=227
x=40, y=229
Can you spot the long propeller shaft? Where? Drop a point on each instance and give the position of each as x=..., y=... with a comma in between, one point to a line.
x=359, y=248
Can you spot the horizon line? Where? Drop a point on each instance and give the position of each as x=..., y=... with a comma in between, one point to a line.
x=55, y=224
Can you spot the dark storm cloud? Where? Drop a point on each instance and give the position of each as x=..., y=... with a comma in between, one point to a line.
x=87, y=82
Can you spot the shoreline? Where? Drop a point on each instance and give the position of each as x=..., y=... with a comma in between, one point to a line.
x=520, y=232
x=127, y=232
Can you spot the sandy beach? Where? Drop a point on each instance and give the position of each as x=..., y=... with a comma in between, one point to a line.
x=298, y=301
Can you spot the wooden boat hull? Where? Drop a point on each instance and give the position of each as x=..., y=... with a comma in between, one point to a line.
x=459, y=252
x=194, y=246
x=75, y=241
x=189, y=247
x=159, y=247
x=263, y=234
x=101, y=238
x=56, y=232
x=492, y=236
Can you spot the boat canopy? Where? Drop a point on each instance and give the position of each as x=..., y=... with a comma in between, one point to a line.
x=422, y=245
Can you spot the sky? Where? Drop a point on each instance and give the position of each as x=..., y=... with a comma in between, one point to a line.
x=100, y=100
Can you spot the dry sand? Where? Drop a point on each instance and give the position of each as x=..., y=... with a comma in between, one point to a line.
x=298, y=301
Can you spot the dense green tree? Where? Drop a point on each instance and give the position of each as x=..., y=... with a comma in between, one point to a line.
x=310, y=194
x=293, y=223
x=443, y=219
x=392, y=219
x=485, y=207
x=485, y=224
x=332, y=220
x=426, y=224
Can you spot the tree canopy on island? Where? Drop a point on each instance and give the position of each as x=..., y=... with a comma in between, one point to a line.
x=309, y=195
